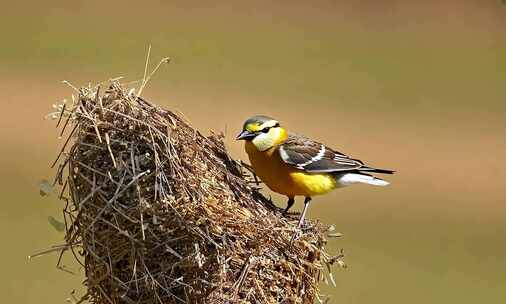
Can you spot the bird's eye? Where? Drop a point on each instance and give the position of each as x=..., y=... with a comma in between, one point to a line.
x=266, y=129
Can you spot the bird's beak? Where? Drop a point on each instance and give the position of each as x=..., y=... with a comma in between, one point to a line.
x=245, y=135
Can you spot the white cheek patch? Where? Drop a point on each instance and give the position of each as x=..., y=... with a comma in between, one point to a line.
x=265, y=141
x=262, y=142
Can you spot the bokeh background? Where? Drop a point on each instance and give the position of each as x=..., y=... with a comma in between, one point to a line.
x=416, y=86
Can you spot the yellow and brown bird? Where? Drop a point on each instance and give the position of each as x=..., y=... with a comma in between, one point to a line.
x=294, y=165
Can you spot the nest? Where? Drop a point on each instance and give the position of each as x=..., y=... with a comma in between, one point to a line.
x=158, y=213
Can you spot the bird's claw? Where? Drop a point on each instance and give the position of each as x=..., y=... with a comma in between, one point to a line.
x=296, y=235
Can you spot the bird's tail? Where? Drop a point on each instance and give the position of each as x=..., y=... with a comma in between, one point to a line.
x=376, y=170
x=352, y=178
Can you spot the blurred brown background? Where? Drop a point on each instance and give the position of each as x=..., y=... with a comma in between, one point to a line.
x=416, y=86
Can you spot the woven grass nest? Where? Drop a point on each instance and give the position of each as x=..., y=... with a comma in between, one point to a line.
x=156, y=212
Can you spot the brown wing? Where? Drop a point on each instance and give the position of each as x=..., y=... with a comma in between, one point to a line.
x=311, y=156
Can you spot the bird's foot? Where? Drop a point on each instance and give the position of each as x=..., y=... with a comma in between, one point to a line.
x=299, y=230
x=296, y=235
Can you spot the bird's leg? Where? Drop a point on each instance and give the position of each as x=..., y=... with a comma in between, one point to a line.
x=289, y=205
x=307, y=200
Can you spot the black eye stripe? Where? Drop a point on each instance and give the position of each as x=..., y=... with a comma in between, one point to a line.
x=266, y=129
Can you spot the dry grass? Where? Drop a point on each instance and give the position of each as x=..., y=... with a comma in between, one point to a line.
x=158, y=213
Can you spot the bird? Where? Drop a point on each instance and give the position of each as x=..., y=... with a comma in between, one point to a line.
x=294, y=165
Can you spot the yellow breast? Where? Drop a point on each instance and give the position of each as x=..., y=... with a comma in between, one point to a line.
x=285, y=179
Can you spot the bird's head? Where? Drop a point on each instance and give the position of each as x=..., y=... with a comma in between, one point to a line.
x=263, y=132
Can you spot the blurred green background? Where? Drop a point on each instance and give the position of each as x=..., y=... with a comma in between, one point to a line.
x=416, y=86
